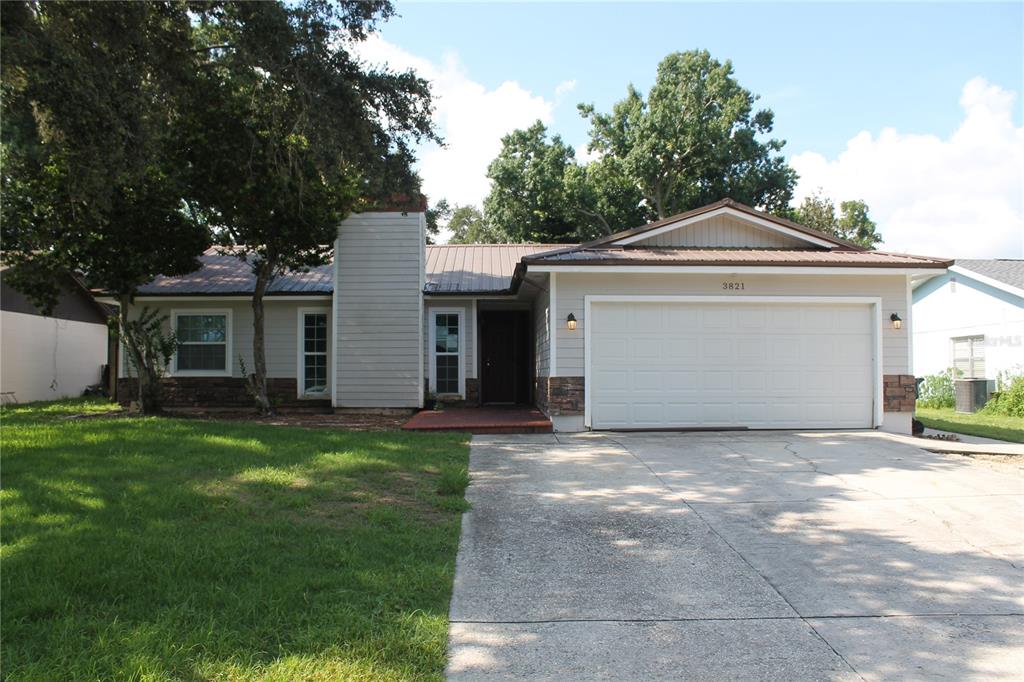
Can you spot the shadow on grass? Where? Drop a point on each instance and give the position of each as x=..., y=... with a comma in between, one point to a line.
x=165, y=548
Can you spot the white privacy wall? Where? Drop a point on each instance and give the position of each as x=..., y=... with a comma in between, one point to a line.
x=44, y=358
x=968, y=311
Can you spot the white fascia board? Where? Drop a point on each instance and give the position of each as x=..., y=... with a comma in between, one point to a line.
x=739, y=215
x=1003, y=286
x=732, y=269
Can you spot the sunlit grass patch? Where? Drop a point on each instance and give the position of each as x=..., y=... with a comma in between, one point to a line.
x=155, y=548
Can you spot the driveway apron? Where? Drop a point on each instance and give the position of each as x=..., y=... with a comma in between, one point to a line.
x=767, y=555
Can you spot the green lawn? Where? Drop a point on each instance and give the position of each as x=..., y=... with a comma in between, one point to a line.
x=157, y=548
x=984, y=425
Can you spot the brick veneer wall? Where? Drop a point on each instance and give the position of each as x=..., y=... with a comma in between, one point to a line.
x=899, y=392
x=219, y=392
x=564, y=396
x=540, y=393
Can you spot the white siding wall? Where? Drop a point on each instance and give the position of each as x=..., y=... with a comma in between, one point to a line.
x=469, y=323
x=572, y=287
x=722, y=231
x=378, y=283
x=45, y=358
x=280, y=331
x=967, y=311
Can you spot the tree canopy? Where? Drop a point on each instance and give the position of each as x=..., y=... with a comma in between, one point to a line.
x=852, y=223
x=694, y=139
x=134, y=133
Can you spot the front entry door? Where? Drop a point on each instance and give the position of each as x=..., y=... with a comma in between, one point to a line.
x=504, y=356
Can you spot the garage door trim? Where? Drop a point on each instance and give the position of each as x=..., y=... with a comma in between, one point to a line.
x=874, y=301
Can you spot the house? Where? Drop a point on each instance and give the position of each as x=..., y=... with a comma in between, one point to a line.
x=721, y=317
x=971, y=318
x=46, y=357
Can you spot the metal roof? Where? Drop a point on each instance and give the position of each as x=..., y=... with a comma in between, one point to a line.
x=1006, y=270
x=734, y=256
x=226, y=275
x=476, y=268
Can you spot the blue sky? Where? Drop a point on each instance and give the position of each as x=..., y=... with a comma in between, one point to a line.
x=829, y=71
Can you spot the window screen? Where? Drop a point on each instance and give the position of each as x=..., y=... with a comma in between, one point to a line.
x=969, y=356
x=446, y=353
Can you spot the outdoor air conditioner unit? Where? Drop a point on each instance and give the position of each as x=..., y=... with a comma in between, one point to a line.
x=971, y=394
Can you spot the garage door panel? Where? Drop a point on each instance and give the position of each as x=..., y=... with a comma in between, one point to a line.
x=758, y=365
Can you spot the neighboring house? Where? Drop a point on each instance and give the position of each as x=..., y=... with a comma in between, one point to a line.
x=722, y=317
x=54, y=356
x=971, y=318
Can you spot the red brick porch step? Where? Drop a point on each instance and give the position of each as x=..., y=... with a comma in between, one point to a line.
x=481, y=420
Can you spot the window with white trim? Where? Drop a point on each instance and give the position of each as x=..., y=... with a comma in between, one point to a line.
x=314, y=353
x=447, y=350
x=969, y=356
x=202, y=342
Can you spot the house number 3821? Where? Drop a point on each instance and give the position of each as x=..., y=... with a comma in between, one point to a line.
x=732, y=286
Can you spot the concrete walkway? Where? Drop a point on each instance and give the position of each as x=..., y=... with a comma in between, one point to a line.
x=737, y=556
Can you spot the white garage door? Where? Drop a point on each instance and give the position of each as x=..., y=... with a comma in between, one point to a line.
x=759, y=365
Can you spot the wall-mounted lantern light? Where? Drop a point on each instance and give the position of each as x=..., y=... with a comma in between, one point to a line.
x=570, y=322
x=897, y=323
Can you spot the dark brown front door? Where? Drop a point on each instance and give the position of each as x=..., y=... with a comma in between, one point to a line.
x=505, y=356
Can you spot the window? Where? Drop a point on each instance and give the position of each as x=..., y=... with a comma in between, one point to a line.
x=313, y=341
x=447, y=344
x=969, y=356
x=202, y=342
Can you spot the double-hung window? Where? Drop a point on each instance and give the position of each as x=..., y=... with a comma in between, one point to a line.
x=202, y=342
x=969, y=356
x=313, y=374
x=446, y=344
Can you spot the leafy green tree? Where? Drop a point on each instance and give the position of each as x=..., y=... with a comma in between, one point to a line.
x=469, y=226
x=528, y=201
x=852, y=223
x=93, y=173
x=693, y=140
x=291, y=133
x=439, y=213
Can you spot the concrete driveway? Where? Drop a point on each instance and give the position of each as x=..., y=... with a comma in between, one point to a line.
x=765, y=555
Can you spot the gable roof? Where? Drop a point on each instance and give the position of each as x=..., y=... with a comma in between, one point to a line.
x=476, y=268
x=736, y=208
x=1003, y=273
x=222, y=274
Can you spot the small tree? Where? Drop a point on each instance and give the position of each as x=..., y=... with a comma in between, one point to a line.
x=154, y=350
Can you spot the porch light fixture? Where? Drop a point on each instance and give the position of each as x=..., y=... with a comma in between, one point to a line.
x=897, y=323
x=570, y=322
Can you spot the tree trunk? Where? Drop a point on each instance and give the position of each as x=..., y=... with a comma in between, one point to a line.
x=258, y=378
x=148, y=388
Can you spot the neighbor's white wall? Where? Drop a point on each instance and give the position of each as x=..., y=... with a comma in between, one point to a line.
x=280, y=331
x=44, y=358
x=572, y=287
x=945, y=314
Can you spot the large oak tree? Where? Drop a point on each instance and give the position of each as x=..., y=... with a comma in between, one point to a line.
x=94, y=178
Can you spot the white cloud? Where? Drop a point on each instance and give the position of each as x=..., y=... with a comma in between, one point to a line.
x=959, y=197
x=471, y=118
x=564, y=88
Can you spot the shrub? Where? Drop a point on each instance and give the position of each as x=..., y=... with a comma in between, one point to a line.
x=1009, y=401
x=937, y=389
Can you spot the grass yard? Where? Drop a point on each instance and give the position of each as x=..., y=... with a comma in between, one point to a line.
x=157, y=548
x=984, y=425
